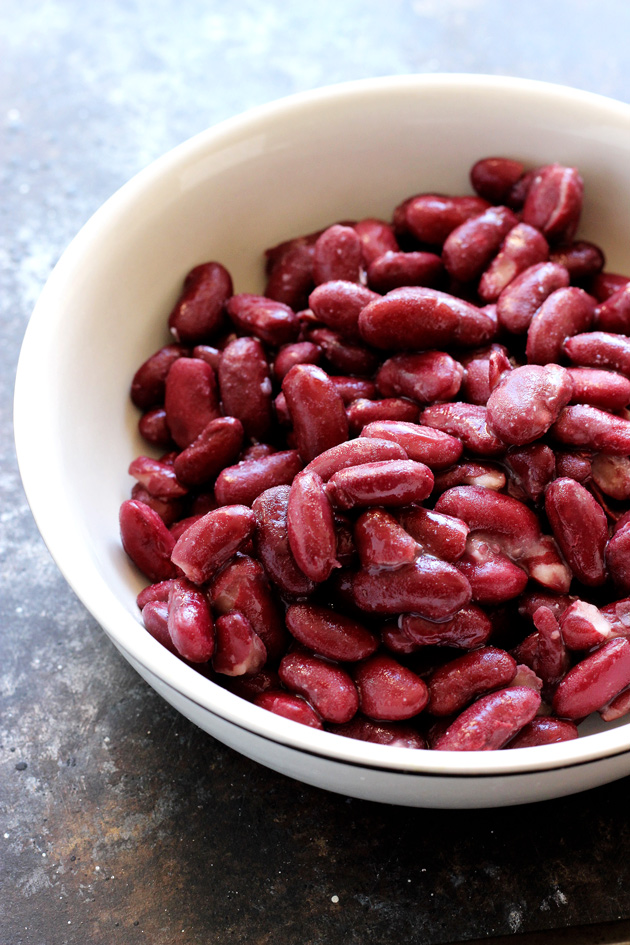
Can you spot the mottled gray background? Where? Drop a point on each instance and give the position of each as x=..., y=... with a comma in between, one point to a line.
x=119, y=821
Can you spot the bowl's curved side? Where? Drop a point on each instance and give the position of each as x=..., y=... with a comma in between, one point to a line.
x=343, y=152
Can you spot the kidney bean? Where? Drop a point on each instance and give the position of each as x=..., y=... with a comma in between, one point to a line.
x=242, y=483
x=198, y=314
x=522, y=247
x=493, y=577
x=300, y=352
x=327, y=687
x=612, y=475
x=191, y=399
x=468, y=422
x=190, y=622
x=157, y=477
x=423, y=444
x=290, y=276
x=169, y=510
x=154, y=593
x=618, y=558
x=354, y=388
x=152, y=427
x=582, y=260
x=380, y=733
x=148, y=384
x=414, y=317
x=531, y=469
x=475, y=386
x=518, y=193
x=245, y=386
x=468, y=629
x=395, y=269
x=155, y=620
x=317, y=410
x=552, y=659
x=337, y=255
x=583, y=626
x=455, y=685
x=470, y=474
x=394, y=482
x=499, y=366
x=493, y=178
x=147, y=540
x=250, y=687
x=617, y=707
x=532, y=600
x=388, y=690
x=208, y=353
x=212, y=540
x=218, y=444
x=343, y=355
x=272, y=322
x=442, y=536
x=424, y=377
x=600, y=349
x=338, y=303
x=354, y=453
x=491, y=721
x=605, y=389
x=396, y=640
x=377, y=237
x=594, y=429
x=242, y=586
x=272, y=543
x=544, y=731
x=362, y=412
x=311, y=527
x=239, y=650
x=522, y=297
x=554, y=202
x=574, y=465
x=579, y=526
x=605, y=284
x=431, y=588
x=469, y=248
x=564, y=313
x=382, y=543
x=613, y=315
x=594, y=681
x=527, y=402
x=289, y=706
x=430, y=218
x=330, y=634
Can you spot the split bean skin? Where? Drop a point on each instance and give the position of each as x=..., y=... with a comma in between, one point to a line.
x=412, y=448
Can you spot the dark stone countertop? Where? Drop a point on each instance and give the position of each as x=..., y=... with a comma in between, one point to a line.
x=119, y=821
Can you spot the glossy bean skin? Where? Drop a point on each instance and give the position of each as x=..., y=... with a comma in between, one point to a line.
x=330, y=634
x=613, y=314
x=317, y=410
x=242, y=587
x=552, y=659
x=582, y=260
x=198, y=314
x=522, y=247
x=491, y=722
x=468, y=629
x=239, y=650
x=299, y=352
x=354, y=388
x=289, y=706
x=430, y=218
x=388, y=691
x=311, y=527
x=267, y=319
x=521, y=298
x=337, y=255
x=341, y=354
x=580, y=527
x=395, y=269
x=382, y=543
x=191, y=399
x=618, y=559
x=155, y=620
x=544, y=731
x=216, y=447
x=354, y=453
x=148, y=384
x=564, y=313
x=600, y=349
x=392, y=483
x=583, y=626
x=394, y=734
x=326, y=686
x=468, y=422
x=617, y=707
x=190, y=622
x=493, y=577
x=146, y=540
x=362, y=412
x=169, y=510
x=605, y=284
x=531, y=469
x=469, y=248
x=290, y=273
x=554, y=202
x=604, y=389
x=157, y=477
x=424, y=377
x=431, y=588
x=588, y=427
x=415, y=318
x=338, y=304
x=211, y=541
x=493, y=178
x=594, y=681
x=527, y=402
x=442, y=536
x=245, y=385
x=152, y=426
x=244, y=482
x=377, y=237
x=272, y=544
x=434, y=448
x=458, y=682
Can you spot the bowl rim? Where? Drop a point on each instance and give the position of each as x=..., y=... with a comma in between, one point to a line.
x=124, y=630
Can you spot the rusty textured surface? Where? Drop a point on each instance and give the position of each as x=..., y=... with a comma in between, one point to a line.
x=119, y=821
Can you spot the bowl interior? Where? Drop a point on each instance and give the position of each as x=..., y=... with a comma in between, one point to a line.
x=281, y=170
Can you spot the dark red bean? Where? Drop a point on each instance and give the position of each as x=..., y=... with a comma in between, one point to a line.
x=198, y=314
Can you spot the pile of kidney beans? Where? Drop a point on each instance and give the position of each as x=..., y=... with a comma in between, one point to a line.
x=392, y=495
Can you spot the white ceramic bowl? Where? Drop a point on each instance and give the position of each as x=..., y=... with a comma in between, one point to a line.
x=343, y=152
